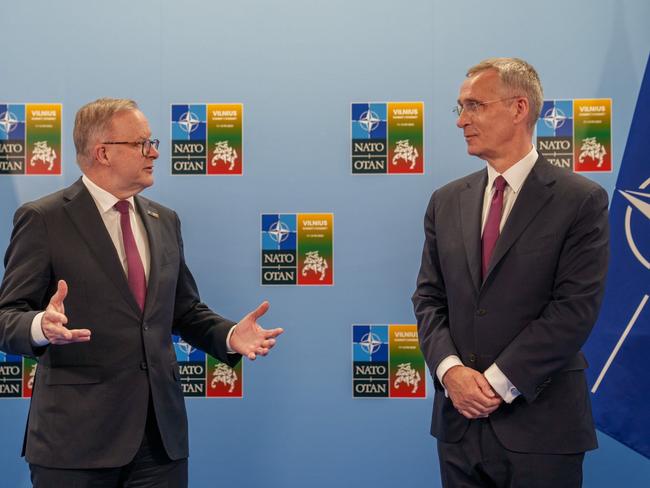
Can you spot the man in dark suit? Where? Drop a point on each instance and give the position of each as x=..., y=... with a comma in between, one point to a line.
x=510, y=284
x=94, y=286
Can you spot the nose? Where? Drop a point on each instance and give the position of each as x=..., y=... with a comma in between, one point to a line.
x=153, y=153
x=462, y=119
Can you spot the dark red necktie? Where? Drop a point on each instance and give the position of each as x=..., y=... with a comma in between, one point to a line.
x=491, y=229
x=135, y=273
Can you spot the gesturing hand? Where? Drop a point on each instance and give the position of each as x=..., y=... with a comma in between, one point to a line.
x=249, y=338
x=470, y=392
x=54, y=320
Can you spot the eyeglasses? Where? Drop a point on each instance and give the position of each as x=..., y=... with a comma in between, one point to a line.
x=146, y=144
x=473, y=106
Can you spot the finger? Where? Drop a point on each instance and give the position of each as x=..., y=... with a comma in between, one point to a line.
x=262, y=351
x=467, y=414
x=251, y=356
x=60, y=342
x=261, y=310
x=485, y=386
x=61, y=293
x=55, y=332
x=79, y=335
x=273, y=332
x=482, y=402
x=54, y=317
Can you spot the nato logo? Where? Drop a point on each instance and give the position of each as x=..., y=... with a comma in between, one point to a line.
x=556, y=119
x=369, y=121
x=191, y=366
x=370, y=342
x=370, y=361
x=189, y=122
x=279, y=243
x=12, y=122
x=186, y=352
x=555, y=133
x=637, y=221
x=279, y=232
x=11, y=375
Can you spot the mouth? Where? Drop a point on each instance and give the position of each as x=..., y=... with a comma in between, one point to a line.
x=148, y=169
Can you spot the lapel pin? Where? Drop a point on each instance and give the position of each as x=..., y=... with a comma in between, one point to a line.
x=153, y=213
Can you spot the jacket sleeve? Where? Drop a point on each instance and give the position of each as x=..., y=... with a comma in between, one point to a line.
x=27, y=282
x=194, y=321
x=430, y=301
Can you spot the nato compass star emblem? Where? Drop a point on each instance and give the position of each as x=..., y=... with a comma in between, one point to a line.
x=279, y=231
x=185, y=347
x=8, y=122
x=554, y=118
x=370, y=343
x=640, y=201
x=369, y=121
x=189, y=121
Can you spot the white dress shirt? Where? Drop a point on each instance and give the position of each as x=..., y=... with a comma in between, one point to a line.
x=515, y=177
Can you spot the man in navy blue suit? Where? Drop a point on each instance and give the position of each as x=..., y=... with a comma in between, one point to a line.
x=511, y=281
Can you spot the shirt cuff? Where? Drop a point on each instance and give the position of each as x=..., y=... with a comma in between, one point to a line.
x=444, y=366
x=230, y=350
x=501, y=384
x=36, y=332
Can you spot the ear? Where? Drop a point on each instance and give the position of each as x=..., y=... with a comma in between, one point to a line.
x=522, y=108
x=99, y=155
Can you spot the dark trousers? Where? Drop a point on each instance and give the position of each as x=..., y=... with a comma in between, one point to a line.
x=479, y=460
x=150, y=468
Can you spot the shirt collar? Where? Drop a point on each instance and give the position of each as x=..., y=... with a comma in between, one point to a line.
x=517, y=173
x=103, y=199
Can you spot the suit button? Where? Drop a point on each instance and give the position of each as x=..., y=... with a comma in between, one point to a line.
x=480, y=312
x=472, y=358
x=146, y=327
x=143, y=366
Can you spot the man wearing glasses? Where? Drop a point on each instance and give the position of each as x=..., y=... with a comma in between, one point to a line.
x=94, y=286
x=511, y=280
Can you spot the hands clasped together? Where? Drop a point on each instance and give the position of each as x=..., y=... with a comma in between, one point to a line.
x=470, y=392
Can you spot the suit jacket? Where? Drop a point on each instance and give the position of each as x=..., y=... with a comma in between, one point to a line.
x=530, y=314
x=89, y=403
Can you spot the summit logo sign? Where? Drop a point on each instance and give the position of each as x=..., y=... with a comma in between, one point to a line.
x=297, y=249
x=387, y=362
x=388, y=138
x=30, y=138
x=207, y=139
x=576, y=134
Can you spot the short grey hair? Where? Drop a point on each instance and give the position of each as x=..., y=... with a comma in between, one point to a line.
x=93, y=119
x=519, y=78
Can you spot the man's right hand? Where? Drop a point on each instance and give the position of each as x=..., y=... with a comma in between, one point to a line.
x=470, y=392
x=54, y=320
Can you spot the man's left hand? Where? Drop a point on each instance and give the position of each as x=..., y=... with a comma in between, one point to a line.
x=250, y=339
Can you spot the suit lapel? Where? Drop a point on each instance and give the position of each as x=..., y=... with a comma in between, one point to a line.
x=535, y=192
x=150, y=218
x=83, y=213
x=471, y=205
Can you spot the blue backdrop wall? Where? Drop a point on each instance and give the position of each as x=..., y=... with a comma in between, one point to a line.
x=296, y=66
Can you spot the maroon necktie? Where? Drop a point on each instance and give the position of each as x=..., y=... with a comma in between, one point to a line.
x=135, y=273
x=491, y=229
